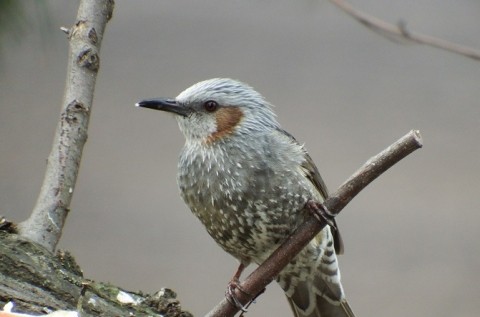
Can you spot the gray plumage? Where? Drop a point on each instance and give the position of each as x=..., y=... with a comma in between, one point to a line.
x=248, y=181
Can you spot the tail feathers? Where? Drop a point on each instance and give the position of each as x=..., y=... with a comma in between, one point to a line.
x=324, y=308
x=317, y=298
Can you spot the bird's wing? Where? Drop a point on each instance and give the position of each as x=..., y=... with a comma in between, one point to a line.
x=314, y=176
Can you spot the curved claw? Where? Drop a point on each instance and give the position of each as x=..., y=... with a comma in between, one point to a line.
x=320, y=211
x=232, y=298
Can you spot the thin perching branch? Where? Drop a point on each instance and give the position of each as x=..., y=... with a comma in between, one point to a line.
x=400, y=32
x=268, y=271
x=46, y=222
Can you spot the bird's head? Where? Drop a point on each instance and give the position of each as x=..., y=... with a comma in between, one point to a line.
x=216, y=109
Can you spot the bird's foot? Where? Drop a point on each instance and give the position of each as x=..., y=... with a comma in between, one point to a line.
x=321, y=212
x=232, y=298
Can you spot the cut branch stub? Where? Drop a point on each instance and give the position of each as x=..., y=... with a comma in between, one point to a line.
x=89, y=59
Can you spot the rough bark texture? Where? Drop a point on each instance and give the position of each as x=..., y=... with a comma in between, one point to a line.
x=38, y=282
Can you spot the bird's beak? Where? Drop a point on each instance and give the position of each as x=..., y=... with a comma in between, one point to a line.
x=164, y=104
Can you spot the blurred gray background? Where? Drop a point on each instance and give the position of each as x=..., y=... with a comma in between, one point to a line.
x=412, y=237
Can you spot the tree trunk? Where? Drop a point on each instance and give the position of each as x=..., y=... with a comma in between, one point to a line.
x=39, y=282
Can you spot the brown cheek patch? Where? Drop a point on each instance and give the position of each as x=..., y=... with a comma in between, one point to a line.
x=227, y=119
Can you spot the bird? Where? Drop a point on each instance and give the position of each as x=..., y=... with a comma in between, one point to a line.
x=248, y=182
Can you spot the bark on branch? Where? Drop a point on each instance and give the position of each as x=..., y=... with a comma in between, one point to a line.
x=267, y=272
x=45, y=224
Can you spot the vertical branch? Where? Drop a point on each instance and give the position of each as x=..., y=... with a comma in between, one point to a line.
x=46, y=222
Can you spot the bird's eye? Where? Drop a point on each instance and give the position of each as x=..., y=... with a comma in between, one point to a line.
x=210, y=105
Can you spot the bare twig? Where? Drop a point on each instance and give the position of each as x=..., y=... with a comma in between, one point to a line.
x=400, y=32
x=48, y=216
x=267, y=272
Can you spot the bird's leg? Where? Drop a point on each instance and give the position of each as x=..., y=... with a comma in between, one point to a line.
x=236, y=277
x=320, y=211
x=235, y=284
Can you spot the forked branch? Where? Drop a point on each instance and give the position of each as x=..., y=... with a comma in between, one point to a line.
x=400, y=31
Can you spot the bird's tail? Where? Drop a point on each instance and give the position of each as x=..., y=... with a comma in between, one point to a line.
x=313, y=288
x=324, y=308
